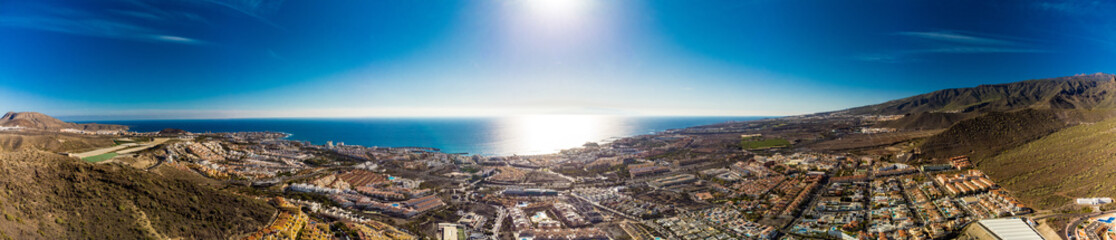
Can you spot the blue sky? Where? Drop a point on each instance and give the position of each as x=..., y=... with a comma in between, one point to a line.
x=136, y=59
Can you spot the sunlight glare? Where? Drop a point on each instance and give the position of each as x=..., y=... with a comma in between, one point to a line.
x=557, y=11
x=550, y=133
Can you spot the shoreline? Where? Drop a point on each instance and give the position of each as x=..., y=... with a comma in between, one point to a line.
x=480, y=137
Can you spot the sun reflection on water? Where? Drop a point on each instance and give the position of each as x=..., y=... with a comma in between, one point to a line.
x=540, y=134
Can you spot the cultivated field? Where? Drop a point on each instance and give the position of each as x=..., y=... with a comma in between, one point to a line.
x=758, y=143
x=99, y=158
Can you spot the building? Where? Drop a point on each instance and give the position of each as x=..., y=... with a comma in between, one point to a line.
x=936, y=167
x=530, y=192
x=647, y=169
x=960, y=162
x=1094, y=201
x=450, y=231
x=849, y=179
x=673, y=180
x=1000, y=229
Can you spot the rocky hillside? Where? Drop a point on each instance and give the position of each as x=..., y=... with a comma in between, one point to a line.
x=41, y=121
x=991, y=133
x=1053, y=170
x=1047, y=140
x=1075, y=92
x=54, y=142
x=48, y=196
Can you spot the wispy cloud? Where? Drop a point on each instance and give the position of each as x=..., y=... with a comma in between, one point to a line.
x=1074, y=6
x=257, y=9
x=883, y=58
x=958, y=38
x=177, y=39
x=135, y=20
x=952, y=42
x=980, y=50
x=95, y=27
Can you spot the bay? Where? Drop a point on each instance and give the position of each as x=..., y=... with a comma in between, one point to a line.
x=523, y=135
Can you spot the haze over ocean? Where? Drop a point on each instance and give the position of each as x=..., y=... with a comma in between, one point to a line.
x=485, y=136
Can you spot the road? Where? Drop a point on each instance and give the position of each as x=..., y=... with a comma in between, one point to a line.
x=153, y=143
x=104, y=150
x=1068, y=231
x=500, y=214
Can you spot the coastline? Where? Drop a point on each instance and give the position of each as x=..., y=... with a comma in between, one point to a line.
x=471, y=136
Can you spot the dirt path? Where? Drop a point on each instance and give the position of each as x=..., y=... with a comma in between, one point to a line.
x=104, y=150
x=145, y=146
x=1047, y=232
x=142, y=146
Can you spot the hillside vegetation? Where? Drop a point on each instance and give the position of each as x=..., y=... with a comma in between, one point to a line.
x=34, y=120
x=1074, y=92
x=992, y=133
x=48, y=196
x=1049, y=172
x=54, y=142
x=926, y=121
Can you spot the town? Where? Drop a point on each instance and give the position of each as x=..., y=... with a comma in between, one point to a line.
x=679, y=184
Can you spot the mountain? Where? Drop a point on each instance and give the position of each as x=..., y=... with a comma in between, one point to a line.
x=41, y=121
x=991, y=133
x=1091, y=91
x=173, y=131
x=1046, y=140
x=48, y=196
x=1053, y=170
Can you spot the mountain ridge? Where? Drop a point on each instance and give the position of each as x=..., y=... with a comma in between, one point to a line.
x=1071, y=92
x=35, y=120
x=45, y=195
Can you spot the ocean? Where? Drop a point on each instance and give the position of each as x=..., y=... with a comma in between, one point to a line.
x=484, y=136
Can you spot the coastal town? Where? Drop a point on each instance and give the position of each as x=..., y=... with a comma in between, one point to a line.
x=732, y=181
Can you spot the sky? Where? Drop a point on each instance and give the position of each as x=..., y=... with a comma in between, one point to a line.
x=137, y=59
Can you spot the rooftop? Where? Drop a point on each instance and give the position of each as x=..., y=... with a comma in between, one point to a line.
x=1010, y=228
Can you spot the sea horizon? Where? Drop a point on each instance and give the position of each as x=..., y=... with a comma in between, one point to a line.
x=486, y=136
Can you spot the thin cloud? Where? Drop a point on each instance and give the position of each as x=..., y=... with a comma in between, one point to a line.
x=94, y=27
x=257, y=9
x=883, y=58
x=176, y=39
x=958, y=38
x=151, y=12
x=981, y=50
x=1075, y=7
x=137, y=14
x=952, y=42
x=135, y=20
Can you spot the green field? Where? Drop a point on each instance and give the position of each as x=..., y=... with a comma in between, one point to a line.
x=99, y=158
x=757, y=143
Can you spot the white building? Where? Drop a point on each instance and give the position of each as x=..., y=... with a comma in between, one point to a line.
x=449, y=231
x=1094, y=201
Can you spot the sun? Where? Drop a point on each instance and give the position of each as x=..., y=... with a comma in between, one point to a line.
x=557, y=11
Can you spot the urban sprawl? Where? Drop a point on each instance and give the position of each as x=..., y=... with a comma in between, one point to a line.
x=729, y=181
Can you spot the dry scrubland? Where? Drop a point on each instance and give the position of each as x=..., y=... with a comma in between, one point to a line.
x=1049, y=172
x=49, y=196
x=987, y=135
x=55, y=142
x=861, y=141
